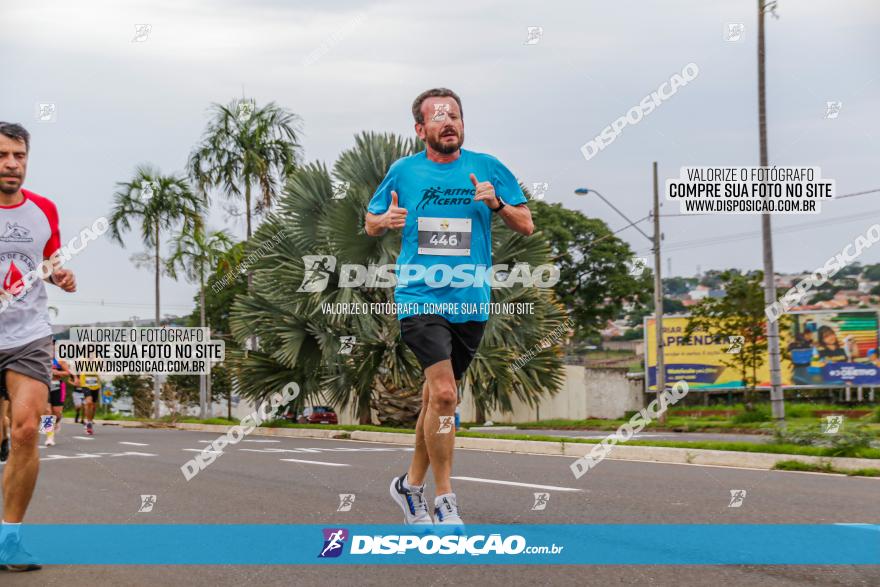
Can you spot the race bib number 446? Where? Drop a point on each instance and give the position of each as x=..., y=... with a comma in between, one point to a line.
x=449, y=237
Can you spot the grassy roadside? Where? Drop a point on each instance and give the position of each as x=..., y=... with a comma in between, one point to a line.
x=827, y=468
x=771, y=448
x=767, y=448
x=727, y=418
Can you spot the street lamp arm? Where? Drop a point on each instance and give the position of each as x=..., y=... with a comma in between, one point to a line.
x=624, y=216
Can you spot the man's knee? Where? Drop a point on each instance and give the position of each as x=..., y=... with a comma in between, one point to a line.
x=25, y=431
x=444, y=396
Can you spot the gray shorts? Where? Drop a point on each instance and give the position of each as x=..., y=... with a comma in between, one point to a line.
x=32, y=360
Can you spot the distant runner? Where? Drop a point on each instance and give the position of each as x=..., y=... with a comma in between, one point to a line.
x=28, y=235
x=90, y=384
x=57, y=394
x=78, y=398
x=443, y=199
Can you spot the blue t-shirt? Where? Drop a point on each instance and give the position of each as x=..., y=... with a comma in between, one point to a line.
x=447, y=240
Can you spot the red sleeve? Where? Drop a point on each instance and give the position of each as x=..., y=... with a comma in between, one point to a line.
x=51, y=212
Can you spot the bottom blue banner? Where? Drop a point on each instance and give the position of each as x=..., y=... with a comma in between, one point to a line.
x=605, y=544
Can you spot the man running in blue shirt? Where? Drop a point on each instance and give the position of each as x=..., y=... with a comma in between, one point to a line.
x=443, y=199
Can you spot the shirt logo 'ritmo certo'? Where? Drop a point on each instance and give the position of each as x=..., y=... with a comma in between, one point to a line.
x=436, y=196
x=15, y=233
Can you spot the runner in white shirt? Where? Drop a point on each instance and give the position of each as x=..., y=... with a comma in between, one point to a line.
x=28, y=235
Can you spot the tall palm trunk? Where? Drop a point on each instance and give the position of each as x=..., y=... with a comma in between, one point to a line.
x=156, y=376
x=250, y=275
x=203, y=382
x=395, y=406
x=247, y=204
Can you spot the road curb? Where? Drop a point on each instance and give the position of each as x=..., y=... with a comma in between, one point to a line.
x=657, y=454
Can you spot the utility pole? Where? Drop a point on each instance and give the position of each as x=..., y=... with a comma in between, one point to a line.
x=658, y=297
x=777, y=401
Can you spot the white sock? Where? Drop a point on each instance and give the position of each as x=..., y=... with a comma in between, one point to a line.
x=407, y=485
x=440, y=497
x=9, y=529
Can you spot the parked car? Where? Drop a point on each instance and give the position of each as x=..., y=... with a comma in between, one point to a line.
x=316, y=415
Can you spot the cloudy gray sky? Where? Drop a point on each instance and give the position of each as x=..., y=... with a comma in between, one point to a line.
x=121, y=103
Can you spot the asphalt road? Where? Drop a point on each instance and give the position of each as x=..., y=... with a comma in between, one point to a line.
x=298, y=481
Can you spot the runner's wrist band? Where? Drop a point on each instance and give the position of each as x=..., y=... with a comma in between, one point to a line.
x=501, y=205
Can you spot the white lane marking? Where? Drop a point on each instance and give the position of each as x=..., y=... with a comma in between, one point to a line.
x=316, y=463
x=134, y=443
x=516, y=484
x=58, y=457
x=84, y=437
x=319, y=450
x=214, y=452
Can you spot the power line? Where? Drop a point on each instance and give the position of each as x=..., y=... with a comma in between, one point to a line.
x=784, y=230
x=852, y=195
x=857, y=194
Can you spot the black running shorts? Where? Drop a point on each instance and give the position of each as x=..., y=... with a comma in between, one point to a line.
x=33, y=360
x=57, y=396
x=433, y=339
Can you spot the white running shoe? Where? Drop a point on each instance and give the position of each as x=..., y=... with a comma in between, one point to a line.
x=411, y=501
x=446, y=510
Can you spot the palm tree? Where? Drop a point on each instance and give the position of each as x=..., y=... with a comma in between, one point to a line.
x=244, y=146
x=195, y=252
x=298, y=342
x=158, y=203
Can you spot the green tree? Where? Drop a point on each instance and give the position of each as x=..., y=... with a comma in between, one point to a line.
x=221, y=289
x=137, y=387
x=195, y=253
x=678, y=286
x=300, y=342
x=159, y=203
x=852, y=270
x=223, y=285
x=671, y=306
x=846, y=283
x=243, y=147
x=594, y=278
x=180, y=392
x=713, y=278
x=740, y=313
x=871, y=272
x=822, y=296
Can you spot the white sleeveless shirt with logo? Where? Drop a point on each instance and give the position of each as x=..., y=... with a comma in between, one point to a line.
x=28, y=235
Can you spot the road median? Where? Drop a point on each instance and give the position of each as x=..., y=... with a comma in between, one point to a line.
x=562, y=447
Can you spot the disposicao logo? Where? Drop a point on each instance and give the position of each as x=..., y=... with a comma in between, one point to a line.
x=334, y=540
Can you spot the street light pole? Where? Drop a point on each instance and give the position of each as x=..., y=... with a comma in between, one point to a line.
x=777, y=400
x=658, y=298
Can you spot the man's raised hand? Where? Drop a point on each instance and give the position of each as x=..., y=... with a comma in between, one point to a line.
x=395, y=216
x=485, y=192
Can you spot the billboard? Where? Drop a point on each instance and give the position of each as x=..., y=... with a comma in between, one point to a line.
x=820, y=349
